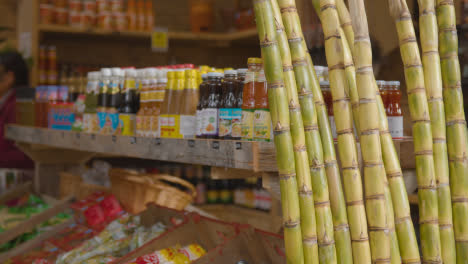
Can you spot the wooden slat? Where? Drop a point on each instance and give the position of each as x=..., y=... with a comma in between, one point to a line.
x=35, y=220
x=16, y=192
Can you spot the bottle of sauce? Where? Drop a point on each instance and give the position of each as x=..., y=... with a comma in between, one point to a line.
x=228, y=104
x=114, y=97
x=141, y=15
x=103, y=99
x=210, y=112
x=52, y=66
x=149, y=16
x=394, y=113
x=189, y=104
x=262, y=120
x=166, y=106
x=127, y=118
x=142, y=114
x=175, y=106
x=201, y=105
x=248, y=97
x=158, y=96
x=90, y=121
x=383, y=89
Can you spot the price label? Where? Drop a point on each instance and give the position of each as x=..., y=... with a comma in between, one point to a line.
x=114, y=138
x=93, y=137
x=191, y=143
x=133, y=140
x=157, y=141
x=160, y=40
x=77, y=135
x=238, y=145
x=215, y=145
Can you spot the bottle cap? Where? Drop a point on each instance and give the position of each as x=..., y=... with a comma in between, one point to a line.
x=230, y=72
x=242, y=71
x=106, y=72
x=130, y=73
x=254, y=61
x=162, y=80
x=212, y=74
x=380, y=83
x=394, y=83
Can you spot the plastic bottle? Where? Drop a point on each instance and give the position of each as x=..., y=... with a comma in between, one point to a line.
x=262, y=120
x=201, y=105
x=189, y=105
x=248, y=98
x=394, y=113
x=228, y=104
x=210, y=112
x=103, y=99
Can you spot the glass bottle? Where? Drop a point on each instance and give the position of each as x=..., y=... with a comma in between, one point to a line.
x=228, y=103
x=262, y=120
x=248, y=98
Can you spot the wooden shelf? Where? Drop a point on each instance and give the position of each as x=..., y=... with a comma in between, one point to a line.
x=244, y=155
x=173, y=35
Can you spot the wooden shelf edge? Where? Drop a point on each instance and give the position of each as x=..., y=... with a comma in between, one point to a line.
x=173, y=35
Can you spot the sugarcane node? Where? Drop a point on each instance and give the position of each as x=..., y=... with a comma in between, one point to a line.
x=296, y=39
x=305, y=193
x=339, y=66
x=337, y=36
x=374, y=197
x=354, y=105
x=299, y=62
x=289, y=9
x=374, y=131
x=447, y=2
x=300, y=148
x=326, y=244
x=351, y=168
x=322, y=204
x=280, y=129
x=286, y=176
x=294, y=108
x=460, y=200
x=456, y=122
x=341, y=227
x=317, y=167
x=424, y=120
x=397, y=174
x=456, y=86
x=309, y=128
x=449, y=56
x=331, y=163
x=458, y=160
x=384, y=132
x=408, y=40
x=345, y=99
x=443, y=184
x=439, y=140
x=287, y=67
x=310, y=240
x=276, y=85
x=432, y=261
x=373, y=164
x=345, y=131
x=346, y=24
x=360, y=240
x=308, y=94
x=267, y=43
x=365, y=70
x=426, y=12
x=401, y=220
x=430, y=52
x=367, y=101
x=319, y=103
x=349, y=65
x=378, y=229
x=435, y=99
x=404, y=17
x=354, y=203
x=445, y=226
x=431, y=187
x=327, y=6
x=364, y=39
x=461, y=240
x=416, y=90
x=291, y=224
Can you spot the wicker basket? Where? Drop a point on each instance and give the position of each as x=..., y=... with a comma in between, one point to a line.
x=135, y=190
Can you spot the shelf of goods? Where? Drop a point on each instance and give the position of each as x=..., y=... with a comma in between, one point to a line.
x=172, y=35
x=244, y=155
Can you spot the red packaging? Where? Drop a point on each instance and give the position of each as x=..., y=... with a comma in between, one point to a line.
x=61, y=16
x=95, y=216
x=88, y=19
x=89, y=6
x=111, y=207
x=102, y=5
x=120, y=21
x=75, y=18
x=75, y=5
x=71, y=237
x=79, y=208
x=46, y=12
x=105, y=20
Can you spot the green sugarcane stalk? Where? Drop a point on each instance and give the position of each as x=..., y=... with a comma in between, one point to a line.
x=375, y=199
x=419, y=109
x=278, y=103
x=306, y=197
x=309, y=89
x=433, y=82
x=457, y=142
x=399, y=198
x=346, y=23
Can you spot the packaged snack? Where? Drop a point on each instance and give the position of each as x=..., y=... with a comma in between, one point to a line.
x=161, y=256
x=71, y=237
x=111, y=207
x=192, y=251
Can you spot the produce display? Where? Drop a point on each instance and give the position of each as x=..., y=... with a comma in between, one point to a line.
x=20, y=209
x=172, y=255
x=374, y=225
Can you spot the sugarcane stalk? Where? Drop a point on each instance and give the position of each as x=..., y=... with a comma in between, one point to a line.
x=378, y=246
x=304, y=180
x=433, y=82
x=425, y=172
x=457, y=142
x=278, y=105
x=309, y=89
x=346, y=24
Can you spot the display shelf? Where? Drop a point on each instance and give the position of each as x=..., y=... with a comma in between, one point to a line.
x=250, y=156
x=173, y=35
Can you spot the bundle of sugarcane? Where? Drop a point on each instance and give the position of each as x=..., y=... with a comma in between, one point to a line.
x=310, y=94
x=306, y=197
x=278, y=102
x=374, y=173
x=293, y=74
x=427, y=189
x=433, y=82
x=457, y=142
x=399, y=204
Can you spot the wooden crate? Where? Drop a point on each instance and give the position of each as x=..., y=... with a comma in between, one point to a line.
x=73, y=185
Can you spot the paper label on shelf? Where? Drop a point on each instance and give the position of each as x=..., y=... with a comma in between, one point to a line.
x=187, y=126
x=160, y=40
x=395, y=126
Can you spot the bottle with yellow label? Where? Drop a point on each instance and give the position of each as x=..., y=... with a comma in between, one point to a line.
x=173, y=118
x=248, y=98
x=166, y=105
x=262, y=118
x=189, y=105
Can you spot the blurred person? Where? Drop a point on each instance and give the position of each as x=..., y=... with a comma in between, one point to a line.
x=13, y=75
